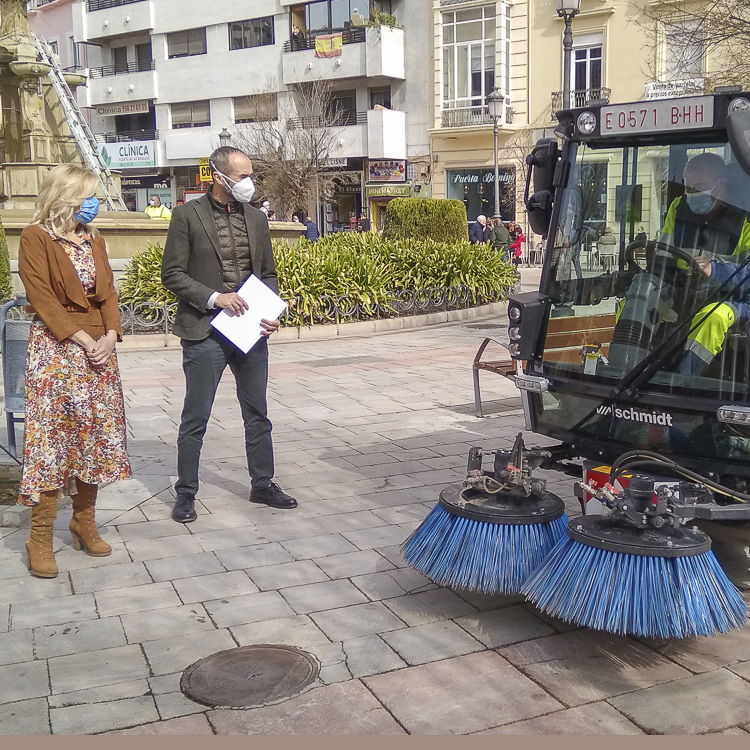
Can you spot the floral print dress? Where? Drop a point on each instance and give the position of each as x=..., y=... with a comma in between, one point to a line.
x=75, y=414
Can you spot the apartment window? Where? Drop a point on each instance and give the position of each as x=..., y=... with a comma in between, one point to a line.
x=684, y=51
x=257, y=32
x=120, y=59
x=191, y=114
x=468, y=56
x=185, y=43
x=54, y=46
x=256, y=108
x=344, y=107
x=588, y=62
x=143, y=56
x=380, y=97
x=327, y=16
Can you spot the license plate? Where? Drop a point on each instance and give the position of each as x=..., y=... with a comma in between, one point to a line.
x=690, y=113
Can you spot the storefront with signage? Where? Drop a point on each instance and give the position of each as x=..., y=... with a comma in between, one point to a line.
x=137, y=191
x=379, y=196
x=475, y=188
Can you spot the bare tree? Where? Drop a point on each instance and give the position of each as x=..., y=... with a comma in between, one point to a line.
x=683, y=33
x=289, y=153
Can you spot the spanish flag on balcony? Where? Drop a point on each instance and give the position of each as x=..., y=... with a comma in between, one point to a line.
x=329, y=45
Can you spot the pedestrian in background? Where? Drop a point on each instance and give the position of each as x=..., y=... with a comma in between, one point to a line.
x=311, y=233
x=364, y=223
x=476, y=232
x=75, y=416
x=500, y=239
x=516, y=240
x=488, y=227
x=157, y=210
x=214, y=244
x=266, y=208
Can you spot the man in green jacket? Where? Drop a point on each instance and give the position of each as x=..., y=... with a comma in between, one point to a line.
x=500, y=239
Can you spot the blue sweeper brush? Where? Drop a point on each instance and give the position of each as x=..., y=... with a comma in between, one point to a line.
x=639, y=571
x=489, y=534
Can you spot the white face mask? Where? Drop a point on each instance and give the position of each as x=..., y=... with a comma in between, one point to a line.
x=242, y=191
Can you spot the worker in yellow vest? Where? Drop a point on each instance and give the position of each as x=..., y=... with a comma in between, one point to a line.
x=157, y=210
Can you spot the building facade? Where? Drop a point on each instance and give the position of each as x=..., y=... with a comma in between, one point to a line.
x=166, y=77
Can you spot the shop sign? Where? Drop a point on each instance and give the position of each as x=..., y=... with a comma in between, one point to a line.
x=387, y=171
x=155, y=183
x=205, y=170
x=126, y=108
x=465, y=177
x=388, y=191
x=673, y=89
x=330, y=163
x=129, y=154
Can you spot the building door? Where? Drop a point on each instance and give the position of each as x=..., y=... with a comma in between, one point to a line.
x=143, y=56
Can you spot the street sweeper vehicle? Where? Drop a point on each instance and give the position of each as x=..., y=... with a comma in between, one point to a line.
x=635, y=356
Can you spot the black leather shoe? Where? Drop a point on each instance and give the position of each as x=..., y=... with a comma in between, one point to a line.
x=184, y=508
x=272, y=495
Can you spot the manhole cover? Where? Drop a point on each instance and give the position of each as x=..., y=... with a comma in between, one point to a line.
x=249, y=676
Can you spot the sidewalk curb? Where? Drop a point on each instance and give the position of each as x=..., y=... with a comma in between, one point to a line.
x=327, y=332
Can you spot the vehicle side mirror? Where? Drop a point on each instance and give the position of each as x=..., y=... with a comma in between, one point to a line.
x=738, y=132
x=542, y=163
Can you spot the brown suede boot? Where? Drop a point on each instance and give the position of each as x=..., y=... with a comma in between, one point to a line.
x=82, y=525
x=41, y=559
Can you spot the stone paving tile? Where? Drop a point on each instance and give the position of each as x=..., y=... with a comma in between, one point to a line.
x=166, y=683
x=704, y=703
x=299, y=631
x=254, y=556
x=23, y=681
x=16, y=646
x=30, y=589
x=227, y=539
x=319, y=546
x=69, y=559
x=132, y=532
x=203, y=588
x=175, y=654
x=294, y=528
x=101, y=717
x=96, y=668
x=356, y=621
x=184, y=566
x=136, y=599
x=425, y=643
x=78, y=637
x=101, y=694
x=109, y=577
x=707, y=654
x=461, y=695
x=383, y=536
x=593, y=718
x=188, y=725
x=239, y=610
x=315, y=597
x=370, y=655
x=4, y=618
x=429, y=606
x=502, y=627
x=53, y=611
x=287, y=574
x=164, y=623
x=173, y=705
x=586, y=666
x=168, y=546
x=352, y=563
x=394, y=556
x=347, y=708
x=486, y=602
x=392, y=583
x=363, y=519
x=29, y=717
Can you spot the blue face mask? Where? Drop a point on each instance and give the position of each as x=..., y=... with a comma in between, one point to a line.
x=88, y=211
x=701, y=203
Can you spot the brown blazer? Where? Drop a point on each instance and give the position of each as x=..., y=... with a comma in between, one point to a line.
x=56, y=293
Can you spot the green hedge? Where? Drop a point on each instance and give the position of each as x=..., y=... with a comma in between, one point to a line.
x=363, y=268
x=6, y=278
x=426, y=218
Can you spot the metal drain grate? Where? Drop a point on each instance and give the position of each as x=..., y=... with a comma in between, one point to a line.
x=249, y=676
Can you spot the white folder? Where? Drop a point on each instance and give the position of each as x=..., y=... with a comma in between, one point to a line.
x=244, y=331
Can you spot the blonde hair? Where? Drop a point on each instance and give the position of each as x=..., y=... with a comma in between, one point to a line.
x=63, y=191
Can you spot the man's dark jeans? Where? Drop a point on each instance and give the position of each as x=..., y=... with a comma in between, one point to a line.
x=204, y=363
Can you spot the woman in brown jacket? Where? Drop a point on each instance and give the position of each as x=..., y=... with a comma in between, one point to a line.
x=75, y=417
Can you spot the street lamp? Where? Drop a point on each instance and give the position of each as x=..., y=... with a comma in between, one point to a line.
x=495, y=101
x=567, y=10
x=224, y=137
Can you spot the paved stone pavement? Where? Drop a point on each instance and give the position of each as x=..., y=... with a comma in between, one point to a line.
x=366, y=432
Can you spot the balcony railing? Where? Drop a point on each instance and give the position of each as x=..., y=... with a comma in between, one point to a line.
x=128, y=135
x=581, y=98
x=350, y=36
x=118, y=70
x=320, y=121
x=92, y=5
x=457, y=117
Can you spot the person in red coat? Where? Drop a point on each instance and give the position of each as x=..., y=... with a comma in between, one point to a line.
x=516, y=240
